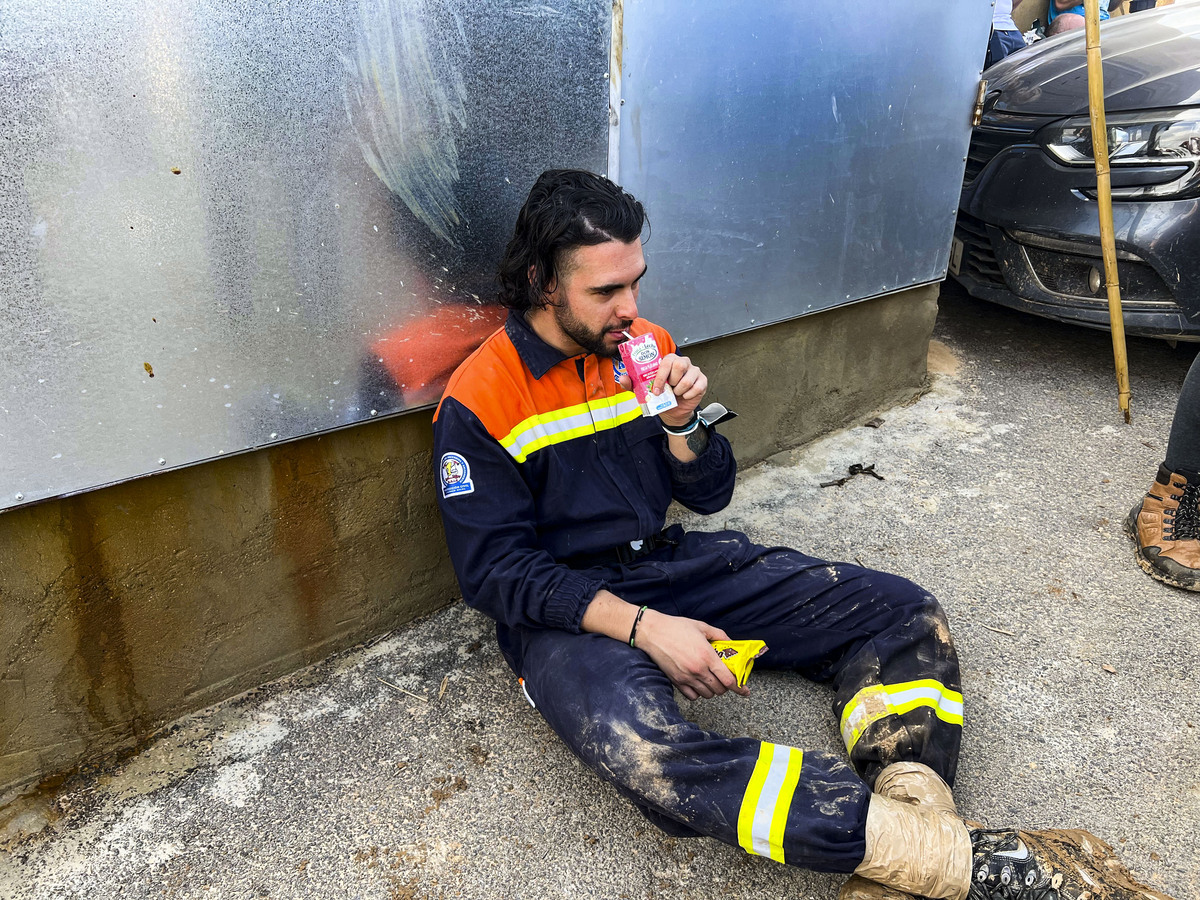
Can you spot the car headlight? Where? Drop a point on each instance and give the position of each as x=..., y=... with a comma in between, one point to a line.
x=1166, y=139
x=1132, y=137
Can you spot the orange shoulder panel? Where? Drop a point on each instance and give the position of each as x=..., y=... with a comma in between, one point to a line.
x=495, y=385
x=486, y=378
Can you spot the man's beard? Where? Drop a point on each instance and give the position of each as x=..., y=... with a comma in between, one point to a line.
x=591, y=341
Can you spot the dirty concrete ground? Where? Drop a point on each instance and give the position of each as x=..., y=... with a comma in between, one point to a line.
x=412, y=767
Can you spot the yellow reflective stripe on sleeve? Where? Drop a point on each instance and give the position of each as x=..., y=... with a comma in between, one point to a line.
x=875, y=701
x=782, y=806
x=561, y=425
x=762, y=819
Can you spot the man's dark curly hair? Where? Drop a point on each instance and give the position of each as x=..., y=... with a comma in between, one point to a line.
x=565, y=209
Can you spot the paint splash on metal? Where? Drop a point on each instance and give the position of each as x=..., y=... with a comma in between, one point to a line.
x=406, y=101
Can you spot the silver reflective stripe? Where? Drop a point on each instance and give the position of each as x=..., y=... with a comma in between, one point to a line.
x=772, y=788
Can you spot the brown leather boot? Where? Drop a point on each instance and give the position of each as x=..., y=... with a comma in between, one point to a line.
x=1165, y=526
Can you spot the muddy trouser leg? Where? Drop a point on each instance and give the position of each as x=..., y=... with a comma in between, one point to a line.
x=616, y=710
x=880, y=640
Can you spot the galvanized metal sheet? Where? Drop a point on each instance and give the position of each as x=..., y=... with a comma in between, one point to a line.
x=230, y=222
x=793, y=156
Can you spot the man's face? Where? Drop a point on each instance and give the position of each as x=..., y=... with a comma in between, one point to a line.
x=595, y=298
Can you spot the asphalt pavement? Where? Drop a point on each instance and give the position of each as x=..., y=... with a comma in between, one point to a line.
x=412, y=766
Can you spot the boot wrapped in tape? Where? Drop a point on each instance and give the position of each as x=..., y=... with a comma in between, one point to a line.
x=916, y=849
x=859, y=888
x=915, y=782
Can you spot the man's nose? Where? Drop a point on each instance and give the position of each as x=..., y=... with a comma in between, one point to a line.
x=627, y=304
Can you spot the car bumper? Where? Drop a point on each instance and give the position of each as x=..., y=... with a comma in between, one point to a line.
x=1037, y=248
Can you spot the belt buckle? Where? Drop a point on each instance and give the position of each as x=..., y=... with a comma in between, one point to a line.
x=627, y=553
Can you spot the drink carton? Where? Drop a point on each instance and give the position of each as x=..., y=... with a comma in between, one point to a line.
x=641, y=358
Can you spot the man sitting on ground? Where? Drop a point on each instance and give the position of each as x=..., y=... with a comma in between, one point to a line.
x=554, y=488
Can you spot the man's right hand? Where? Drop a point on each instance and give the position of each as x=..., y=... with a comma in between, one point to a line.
x=681, y=648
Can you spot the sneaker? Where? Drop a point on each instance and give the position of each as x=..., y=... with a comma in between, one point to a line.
x=1062, y=864
x=1165, y=526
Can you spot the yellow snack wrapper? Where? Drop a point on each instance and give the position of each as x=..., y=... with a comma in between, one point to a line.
x=739, y=656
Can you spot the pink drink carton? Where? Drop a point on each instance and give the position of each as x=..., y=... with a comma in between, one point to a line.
x=641, y=358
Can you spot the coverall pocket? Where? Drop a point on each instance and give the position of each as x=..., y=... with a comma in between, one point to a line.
x=642, y=429
x=703, y=556
x=733, y=547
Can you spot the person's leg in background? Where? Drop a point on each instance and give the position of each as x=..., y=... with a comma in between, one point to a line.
x=1165, y=524
x=1002, y=44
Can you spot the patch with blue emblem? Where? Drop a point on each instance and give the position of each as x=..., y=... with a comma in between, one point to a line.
x=456, y=475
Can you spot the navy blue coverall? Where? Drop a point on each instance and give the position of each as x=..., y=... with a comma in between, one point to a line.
x=545, y=465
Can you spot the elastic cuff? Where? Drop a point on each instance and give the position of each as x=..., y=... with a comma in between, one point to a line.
x=1175, y=467
x=569, y=600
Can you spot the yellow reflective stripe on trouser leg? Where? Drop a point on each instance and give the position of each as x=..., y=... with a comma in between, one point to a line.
x=763, y=817
x=875, y=701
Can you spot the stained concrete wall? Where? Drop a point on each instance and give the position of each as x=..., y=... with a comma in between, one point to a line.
x=126, y=607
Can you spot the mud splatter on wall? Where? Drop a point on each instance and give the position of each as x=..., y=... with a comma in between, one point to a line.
x=406, y=100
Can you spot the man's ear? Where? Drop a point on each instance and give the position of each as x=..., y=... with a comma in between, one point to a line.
x=545, y=295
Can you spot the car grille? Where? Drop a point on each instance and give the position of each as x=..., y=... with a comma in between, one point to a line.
x=979, y=259
x=986, y=143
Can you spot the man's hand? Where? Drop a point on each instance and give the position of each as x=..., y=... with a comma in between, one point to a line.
x=688, y=383
x=681, y=648
x=678, y=646
x=684, y=378
x=677, y=373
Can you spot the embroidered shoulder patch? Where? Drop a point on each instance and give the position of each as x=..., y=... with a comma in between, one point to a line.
x=456, y=475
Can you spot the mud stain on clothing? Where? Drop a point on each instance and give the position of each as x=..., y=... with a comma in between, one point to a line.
x=638, y=764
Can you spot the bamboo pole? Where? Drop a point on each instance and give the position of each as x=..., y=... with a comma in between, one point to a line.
x=1104, y=200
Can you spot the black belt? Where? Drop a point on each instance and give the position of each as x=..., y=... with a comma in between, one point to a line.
x=622, y=554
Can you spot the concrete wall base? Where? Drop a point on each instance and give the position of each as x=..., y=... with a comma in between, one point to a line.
x=127, y=607
x=792, y=382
